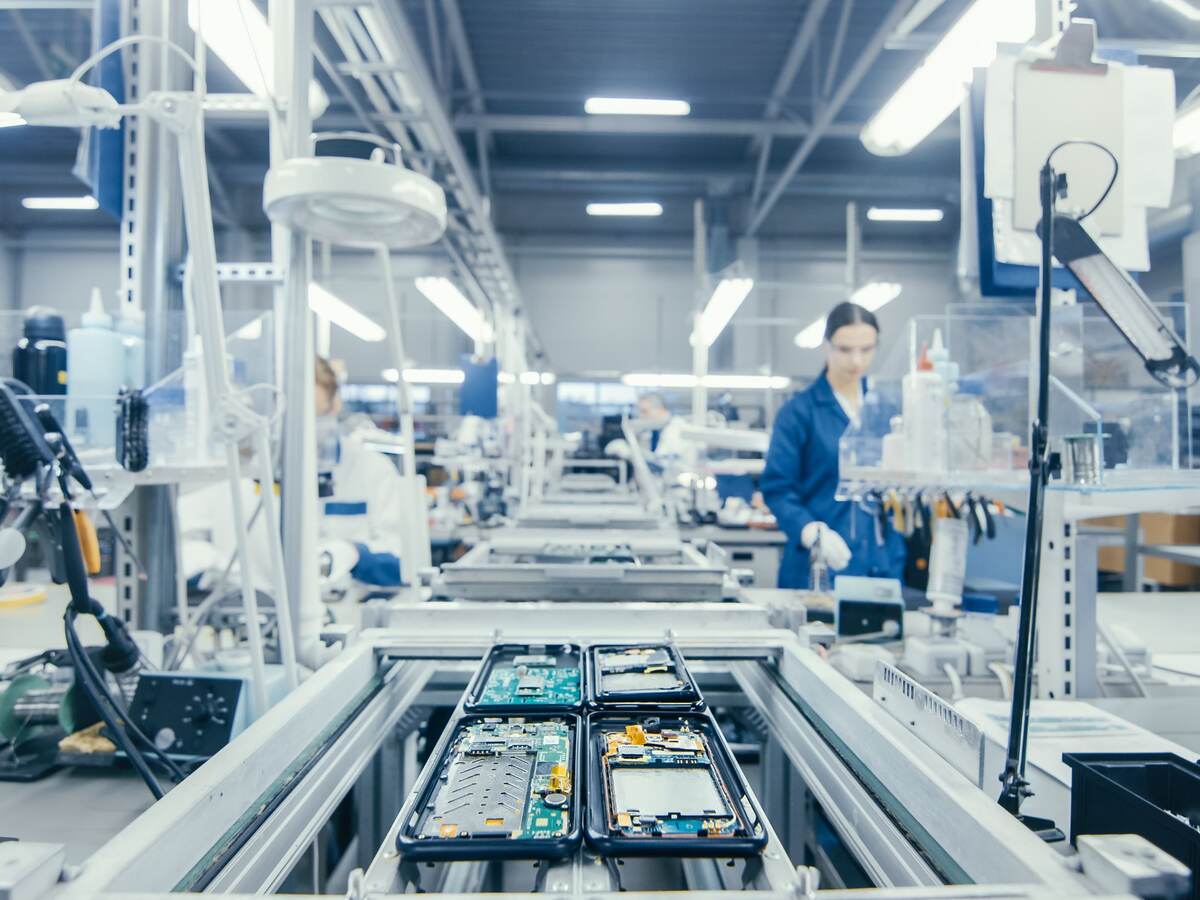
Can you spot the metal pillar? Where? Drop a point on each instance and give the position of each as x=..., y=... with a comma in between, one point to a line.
x=292, y=26
x=152, y=247
x=699, y=348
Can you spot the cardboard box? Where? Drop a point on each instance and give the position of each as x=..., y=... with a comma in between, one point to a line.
x=1156, y=528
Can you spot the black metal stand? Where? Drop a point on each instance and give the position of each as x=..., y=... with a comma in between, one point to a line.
x=1042, y=464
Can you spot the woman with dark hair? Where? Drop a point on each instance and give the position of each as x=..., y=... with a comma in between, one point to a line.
x=801, y=474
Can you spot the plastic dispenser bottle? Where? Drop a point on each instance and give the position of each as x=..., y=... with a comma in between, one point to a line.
x=132, y=327
x=924, y=401
x=95, y=372
x=40, y=357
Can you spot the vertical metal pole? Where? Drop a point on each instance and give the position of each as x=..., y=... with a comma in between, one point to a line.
x=699, y=348
x=1015, y=787
x=853, y=248
x=152, y=248
x=292, y=26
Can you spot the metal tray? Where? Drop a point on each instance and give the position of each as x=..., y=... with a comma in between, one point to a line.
x=620, y=570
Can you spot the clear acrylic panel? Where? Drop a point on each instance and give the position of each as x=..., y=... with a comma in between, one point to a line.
x=967, y=420
x=177, y=404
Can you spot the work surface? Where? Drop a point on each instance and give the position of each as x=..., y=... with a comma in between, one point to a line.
x=83, y=808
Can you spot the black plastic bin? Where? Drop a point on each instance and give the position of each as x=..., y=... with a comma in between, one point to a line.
x=1156, y=795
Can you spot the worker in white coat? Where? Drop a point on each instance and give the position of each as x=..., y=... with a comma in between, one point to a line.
x=362, y=498
x=663, y=437
x=359, y=539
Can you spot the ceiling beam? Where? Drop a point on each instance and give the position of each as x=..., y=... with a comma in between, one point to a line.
x=690, y=179
x=35, y=49
x=839, y=42
x=824, y=123
x=470, y=75
x=806, y=32
x=635, y=125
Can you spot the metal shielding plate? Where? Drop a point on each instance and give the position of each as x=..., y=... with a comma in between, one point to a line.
x=661, y=792
x=484, y=795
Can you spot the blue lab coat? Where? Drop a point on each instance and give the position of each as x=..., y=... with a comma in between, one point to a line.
x=799, y=484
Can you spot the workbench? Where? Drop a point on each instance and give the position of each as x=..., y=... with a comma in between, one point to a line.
x=757, y=549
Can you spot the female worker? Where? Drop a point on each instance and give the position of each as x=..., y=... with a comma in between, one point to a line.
x=801, y=474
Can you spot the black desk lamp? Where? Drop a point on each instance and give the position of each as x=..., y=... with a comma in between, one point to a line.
x=1166, y=359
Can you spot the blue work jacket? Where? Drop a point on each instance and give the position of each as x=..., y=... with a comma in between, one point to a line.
x=799, y=484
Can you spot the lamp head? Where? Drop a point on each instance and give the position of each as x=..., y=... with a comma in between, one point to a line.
x=1126, y=305
x=63, y=103
x=355, y=202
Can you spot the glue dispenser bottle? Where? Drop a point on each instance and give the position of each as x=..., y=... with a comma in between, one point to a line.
x=924, y=418
x=95, y=372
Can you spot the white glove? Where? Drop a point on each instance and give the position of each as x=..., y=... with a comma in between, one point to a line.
x=826, y=544
x=618, y=448
x=337, y=559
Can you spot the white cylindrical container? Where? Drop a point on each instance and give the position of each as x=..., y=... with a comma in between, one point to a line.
x=95, y=372
x=947, y=564
x=924, y=400
x=132, y=327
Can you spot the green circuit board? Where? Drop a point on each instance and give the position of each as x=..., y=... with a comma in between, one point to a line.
x=662, y=783
x=504, y=778
x=532, y=680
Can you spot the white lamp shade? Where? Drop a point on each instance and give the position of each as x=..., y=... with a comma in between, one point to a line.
x=355, y=202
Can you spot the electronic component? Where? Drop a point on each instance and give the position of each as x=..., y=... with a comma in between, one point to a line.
x=188, y=716
x=667, y=786
x=635, y=676
x=516, y=678
x=502, y=788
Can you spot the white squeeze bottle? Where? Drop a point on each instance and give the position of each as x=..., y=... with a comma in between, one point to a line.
x=132, y=327
x=95, y=373
x=924, y=416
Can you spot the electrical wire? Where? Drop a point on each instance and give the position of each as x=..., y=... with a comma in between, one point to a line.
x=98, y=679
x=78, y=655
x=1115, y=170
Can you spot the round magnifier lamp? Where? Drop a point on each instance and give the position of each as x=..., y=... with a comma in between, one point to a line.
x=355, y=202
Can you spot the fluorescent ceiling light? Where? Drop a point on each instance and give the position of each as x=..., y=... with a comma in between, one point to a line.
x=251, y=331
x=237, y=32
x=941, y=82
x=390, y=375
x=724, y=302
x=548, y=378
x=889, y=214
x=635, y=106
x=1183, y=7
x=506, y=378
x=9, y=119
x=342, y=314
x=871, y=296
x=1187, y=130
x=747, y=382
x=716, y=382
x=529, y=378
x=74, y=203
x=443, y=294
x=434, y=376
x=624, y=209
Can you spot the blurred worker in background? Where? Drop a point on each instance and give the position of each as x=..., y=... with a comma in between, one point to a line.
x=663, y=438
x=801, y=474
x=361, y=497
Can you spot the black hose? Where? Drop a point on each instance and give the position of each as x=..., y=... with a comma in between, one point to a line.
x=78, y=657
x=169, y=764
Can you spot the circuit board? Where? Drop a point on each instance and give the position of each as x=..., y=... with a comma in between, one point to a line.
x=504, y=778
x=664, y=783
x=542, y=677
x=623, y=670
